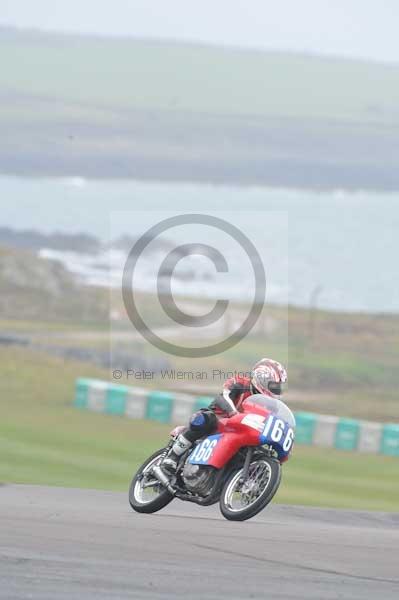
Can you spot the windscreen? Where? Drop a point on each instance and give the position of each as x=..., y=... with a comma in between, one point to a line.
x=276, y=407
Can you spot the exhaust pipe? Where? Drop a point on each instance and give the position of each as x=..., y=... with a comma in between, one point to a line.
x=162, y=478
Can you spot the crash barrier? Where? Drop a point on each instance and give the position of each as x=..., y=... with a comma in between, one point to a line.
x=173, y=407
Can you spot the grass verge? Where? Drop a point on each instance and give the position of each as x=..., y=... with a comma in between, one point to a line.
x=44, y=440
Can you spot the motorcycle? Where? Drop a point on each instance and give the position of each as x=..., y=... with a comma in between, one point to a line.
x=239, y=466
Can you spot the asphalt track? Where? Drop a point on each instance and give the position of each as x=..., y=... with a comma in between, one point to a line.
x=58, y=543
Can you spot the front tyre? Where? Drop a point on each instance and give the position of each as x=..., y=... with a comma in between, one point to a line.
x=241, y=501
x=146, y=494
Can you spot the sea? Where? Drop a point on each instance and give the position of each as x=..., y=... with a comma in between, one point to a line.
x=337, y=249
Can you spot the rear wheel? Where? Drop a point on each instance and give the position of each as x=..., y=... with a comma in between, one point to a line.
x=239, y=500
x=146, y=494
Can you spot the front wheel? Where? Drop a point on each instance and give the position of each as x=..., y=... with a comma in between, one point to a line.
x=146, y=494
x=239, y=500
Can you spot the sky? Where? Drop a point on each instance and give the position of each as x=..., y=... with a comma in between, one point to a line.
x=365, y=29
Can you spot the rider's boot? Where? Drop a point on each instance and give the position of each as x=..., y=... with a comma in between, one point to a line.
x=170, y=462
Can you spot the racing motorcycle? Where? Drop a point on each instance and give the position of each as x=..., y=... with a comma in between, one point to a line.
x=239, y=466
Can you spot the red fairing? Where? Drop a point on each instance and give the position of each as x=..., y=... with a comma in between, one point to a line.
x=236, y=434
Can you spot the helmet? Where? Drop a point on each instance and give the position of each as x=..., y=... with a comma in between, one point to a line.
x=267, y=377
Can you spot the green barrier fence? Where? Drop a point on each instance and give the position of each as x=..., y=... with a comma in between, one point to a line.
x=390, y=440
x=115, y=400
x=159, y=407
x=312, y=429
x=82, y=392
x=347, y=434
x=305, y=427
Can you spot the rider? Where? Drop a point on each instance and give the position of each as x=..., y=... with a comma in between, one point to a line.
x=267, y=377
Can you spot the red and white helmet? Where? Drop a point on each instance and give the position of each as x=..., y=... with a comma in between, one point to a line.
x=267, y=377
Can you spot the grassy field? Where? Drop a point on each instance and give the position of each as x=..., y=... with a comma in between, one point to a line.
x=163, y=75
x=44, y=440
x=135, y=108
x=128, y=73
x=338, y=363
x=343, y=364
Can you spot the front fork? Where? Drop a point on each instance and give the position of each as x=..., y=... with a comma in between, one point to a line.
x=247, y=462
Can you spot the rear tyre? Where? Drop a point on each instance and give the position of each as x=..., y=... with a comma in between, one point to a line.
x=241, y=501
x=146, y=494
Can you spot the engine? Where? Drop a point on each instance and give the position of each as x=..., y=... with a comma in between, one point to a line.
x=199, y=478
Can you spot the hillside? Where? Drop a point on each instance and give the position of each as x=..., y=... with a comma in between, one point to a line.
x=35, y=288
x=134, y=108
x=138, y=74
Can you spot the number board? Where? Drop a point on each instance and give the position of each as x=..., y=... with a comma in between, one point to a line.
x=204, y=450
x=279, y=434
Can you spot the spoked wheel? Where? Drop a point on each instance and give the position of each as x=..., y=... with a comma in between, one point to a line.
x=242, y=500
x=146, y=494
